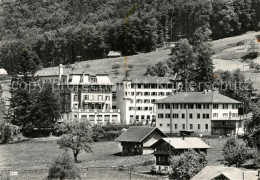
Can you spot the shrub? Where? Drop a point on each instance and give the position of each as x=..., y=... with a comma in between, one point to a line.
x=256, y=157
x=7, y=134
x=30, y=132
x=116, y=72
x=63, y=168
x=98, y=133
x=186, y=165
x=130, y=66
x=115, y=66
x=112, y=135
x=87, y=66
x=252, y=65
x=234, y=152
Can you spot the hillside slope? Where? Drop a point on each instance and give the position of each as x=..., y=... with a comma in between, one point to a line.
x=141, y=61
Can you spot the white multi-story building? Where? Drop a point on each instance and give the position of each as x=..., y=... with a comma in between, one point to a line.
x=201, y=112
x=83, y=94
x=136, y=97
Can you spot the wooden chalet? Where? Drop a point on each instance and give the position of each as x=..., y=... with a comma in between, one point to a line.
x=167, y=147
x=138, y=139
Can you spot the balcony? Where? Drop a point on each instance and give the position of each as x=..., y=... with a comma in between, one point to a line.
x=95, y=100
x=96, y=110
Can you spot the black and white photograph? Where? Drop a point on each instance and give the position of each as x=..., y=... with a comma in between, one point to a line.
x=129, y=89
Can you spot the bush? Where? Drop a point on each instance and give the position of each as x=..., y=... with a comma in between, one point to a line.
x=7, y=134
x=256, y=157
x=98, y=133
x=130, y=66
x=235, y=152
x=30, y=132
x=63, y=168
x=116, y=72
x=115, y=66
x=186, y=165
x=112, y=135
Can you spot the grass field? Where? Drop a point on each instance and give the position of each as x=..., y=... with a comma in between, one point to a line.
x=39, y=156
x=227, y=57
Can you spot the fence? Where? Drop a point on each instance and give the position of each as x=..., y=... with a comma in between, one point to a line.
x=129, y=171
x=120, y=169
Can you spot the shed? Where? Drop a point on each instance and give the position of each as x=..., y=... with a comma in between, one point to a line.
x=137, y=140
x=113, y=54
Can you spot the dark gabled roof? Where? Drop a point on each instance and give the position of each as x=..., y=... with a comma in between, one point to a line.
x=137, y=134
x=197, y=97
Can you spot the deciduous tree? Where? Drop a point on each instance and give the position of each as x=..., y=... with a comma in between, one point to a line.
x=77, y=137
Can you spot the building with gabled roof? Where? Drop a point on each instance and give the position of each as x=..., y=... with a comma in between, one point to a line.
x=202, y=112
x=138, y=139
x=166, y=147
x=226, y=173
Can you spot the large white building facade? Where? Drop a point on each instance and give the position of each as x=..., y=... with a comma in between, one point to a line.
x=136, y=97
x=84, y=94
x=201, y=112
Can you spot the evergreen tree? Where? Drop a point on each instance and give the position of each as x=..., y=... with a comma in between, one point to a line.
x=22, y=96
x=45, y=111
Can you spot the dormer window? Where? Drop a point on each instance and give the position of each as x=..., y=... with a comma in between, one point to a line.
x=93, y=80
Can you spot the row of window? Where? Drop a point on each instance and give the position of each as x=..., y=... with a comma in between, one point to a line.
x=145, y=101
x=183, y=106
x=195, y=106
x=90, y=79
x=93, y=97
x=190, y=126
x=51, y=80
x=148, y=93
x=141, y=108
x=150, y=86
x=215, y=115
x=143, y=117
x=176, y=116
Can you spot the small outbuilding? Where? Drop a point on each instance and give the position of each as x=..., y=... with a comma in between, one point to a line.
x=3, y=72
x=225, y=173
x=114, y=54
x=137, y=140
x=166, y=147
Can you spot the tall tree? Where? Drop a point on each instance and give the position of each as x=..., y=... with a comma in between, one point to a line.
x=21, y=95
x=78, y=137
x=45, y=111
x=182, y=62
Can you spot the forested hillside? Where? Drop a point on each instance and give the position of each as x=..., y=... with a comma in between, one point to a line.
x=65, y=31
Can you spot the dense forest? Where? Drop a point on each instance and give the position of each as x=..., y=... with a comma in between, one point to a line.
x=66, y=31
